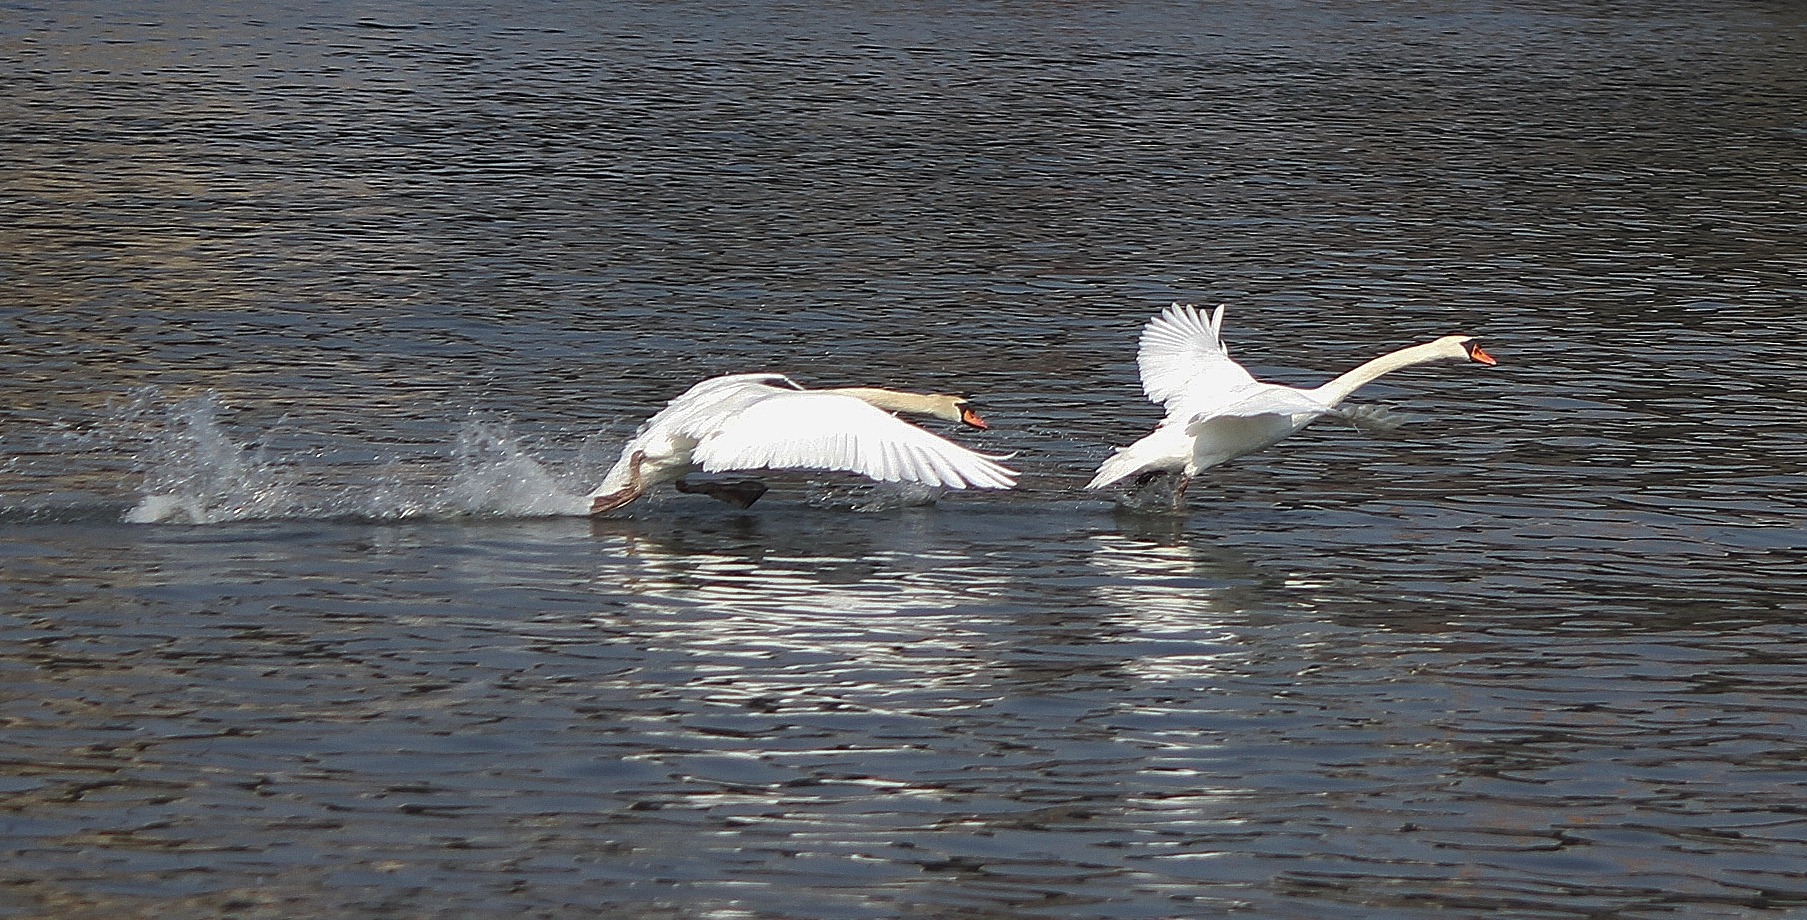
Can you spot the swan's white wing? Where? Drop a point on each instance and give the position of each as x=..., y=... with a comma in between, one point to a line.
x=1250, y=419
x=702, y=408
x=736, y=380
x=660, y=448
x=1261, y=399
x=1182, y=356
x=828, y=431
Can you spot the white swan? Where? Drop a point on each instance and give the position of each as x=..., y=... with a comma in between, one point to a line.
x=767, y=421
x=1217, y=412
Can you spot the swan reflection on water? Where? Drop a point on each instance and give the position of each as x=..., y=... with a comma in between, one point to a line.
x=1184, y=604
x=876, y=600
x=929, y=596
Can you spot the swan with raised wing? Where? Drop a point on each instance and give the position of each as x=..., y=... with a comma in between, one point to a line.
x=768, y=421
x=1217, y=411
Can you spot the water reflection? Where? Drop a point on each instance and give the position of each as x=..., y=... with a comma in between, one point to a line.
x=857, y=604
x=1180, y=606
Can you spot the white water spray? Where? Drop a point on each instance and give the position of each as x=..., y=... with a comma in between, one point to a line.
x=196, y=473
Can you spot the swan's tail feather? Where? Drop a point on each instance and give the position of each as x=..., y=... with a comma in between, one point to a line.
x=1139, y=457
x=1115, y=468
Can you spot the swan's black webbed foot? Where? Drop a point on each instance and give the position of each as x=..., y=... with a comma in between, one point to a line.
x=741, y=493
x=1156, y=491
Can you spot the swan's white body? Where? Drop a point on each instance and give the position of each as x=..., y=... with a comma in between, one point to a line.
x=1217, y=411
x=767, y=421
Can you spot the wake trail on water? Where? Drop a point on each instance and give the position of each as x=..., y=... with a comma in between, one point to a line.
x=195, y=472
x=183, y=462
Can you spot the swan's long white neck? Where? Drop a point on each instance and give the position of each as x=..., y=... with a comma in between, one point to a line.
x=899, y=401
x=1337, y=390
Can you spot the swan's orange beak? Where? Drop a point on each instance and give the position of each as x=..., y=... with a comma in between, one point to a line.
x=969, y=417
x=1480, y=356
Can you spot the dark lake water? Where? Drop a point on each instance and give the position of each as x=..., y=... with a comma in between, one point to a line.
x=358, y=301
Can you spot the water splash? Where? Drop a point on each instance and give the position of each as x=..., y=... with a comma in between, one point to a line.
x=496, y=475
x=1374, y=419
x=196, y=473
x=1153, y=495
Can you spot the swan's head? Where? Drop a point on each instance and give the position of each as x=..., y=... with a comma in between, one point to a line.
x=964, y=414
x=1463, y=348
x=954, y=409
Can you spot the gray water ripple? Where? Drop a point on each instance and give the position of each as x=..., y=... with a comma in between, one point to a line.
x=372, y=293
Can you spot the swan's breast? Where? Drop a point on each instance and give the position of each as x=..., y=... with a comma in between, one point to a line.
x=1221, y=439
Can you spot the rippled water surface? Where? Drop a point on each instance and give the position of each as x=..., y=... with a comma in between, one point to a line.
x=358, y=301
